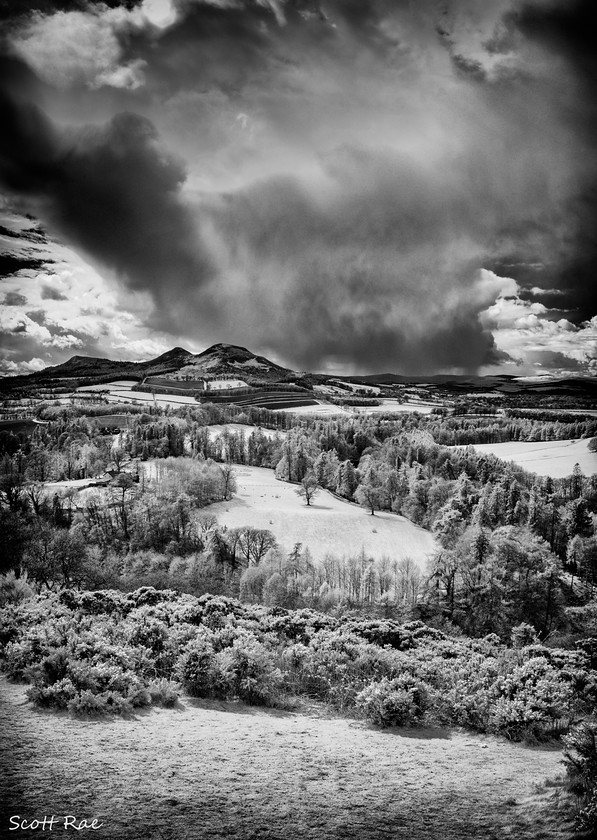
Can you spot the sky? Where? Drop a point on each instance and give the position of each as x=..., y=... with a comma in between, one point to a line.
x=342, y=185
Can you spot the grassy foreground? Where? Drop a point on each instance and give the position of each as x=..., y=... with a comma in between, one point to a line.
x=209, y=770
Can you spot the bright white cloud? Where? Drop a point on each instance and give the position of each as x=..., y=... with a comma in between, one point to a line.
x=80, y=48
x=70, y=307
x=11, y=368
x=528, y=332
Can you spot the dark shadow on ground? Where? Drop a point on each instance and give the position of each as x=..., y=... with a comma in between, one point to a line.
x=235, y=707
x=424, y=733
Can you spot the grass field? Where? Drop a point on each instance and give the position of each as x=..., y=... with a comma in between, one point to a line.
x=328, y=525
x=120, y=392
x=388, y=406
x=555, y=458
x=208, y=770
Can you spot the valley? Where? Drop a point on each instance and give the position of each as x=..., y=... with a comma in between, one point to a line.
x=213, y=555
x=330, y=525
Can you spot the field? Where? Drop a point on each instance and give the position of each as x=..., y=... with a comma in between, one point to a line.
x=328, y=525
x=18, y=426
x=215, y=769
x=274, y=400
x=117, y=385
x=291, y=401
x=388, y=406
x=555, y=458
x=120, y=392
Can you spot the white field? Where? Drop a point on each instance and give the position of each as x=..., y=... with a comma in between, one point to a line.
x=120, y=392
x=225, y=384
x=329, y=524
x=388, y=406
x=119, y=384
x=555, y=458
x=322, y=409
x=74, y=484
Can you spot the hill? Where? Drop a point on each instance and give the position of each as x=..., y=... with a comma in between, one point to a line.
x=555, y=458
x=230, y=360
x=328, y=523
x=180, y=370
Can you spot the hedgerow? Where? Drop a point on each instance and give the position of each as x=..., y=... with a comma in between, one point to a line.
x=105, y=651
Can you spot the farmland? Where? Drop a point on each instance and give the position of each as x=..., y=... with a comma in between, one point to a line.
x=275, y=400
x=329, y=524
x=555, y=458
x=121, y=392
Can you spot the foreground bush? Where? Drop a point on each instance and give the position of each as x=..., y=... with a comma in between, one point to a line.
x=580, y=758
x=98, y=652
x=396, y=702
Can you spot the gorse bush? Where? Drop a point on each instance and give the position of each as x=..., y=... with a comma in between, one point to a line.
x=249, y=672
x=580, y=758
x=396, y=702
x=98, y=652
x=197, y=668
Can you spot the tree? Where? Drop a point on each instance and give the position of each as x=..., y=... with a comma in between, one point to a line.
x=124, y=482
x=309, y=488
x=228, y=480
x=254, y=543
x=369, y=496
x=274, y=591
x=346, y=480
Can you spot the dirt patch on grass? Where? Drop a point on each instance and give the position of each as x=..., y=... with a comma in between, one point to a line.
x=220, y=770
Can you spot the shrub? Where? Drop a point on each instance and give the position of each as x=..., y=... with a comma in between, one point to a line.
x=150, y=633
x=58, y=695
x=383, y=633
x=198, y=670
x=393, y=702
x=523, y=635
x=14, y=589
x=163, y=692
x=126, y=650
x=249, y=672
x=580, y=759
x=530, y=700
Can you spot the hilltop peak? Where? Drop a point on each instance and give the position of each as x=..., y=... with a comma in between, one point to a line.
x=169, y=355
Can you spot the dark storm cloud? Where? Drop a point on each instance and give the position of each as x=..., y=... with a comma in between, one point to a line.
x=566, y=31
x=111, y=190
x=10, y=264
x=13, y=9
x=355, y=279
x=417, y=159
